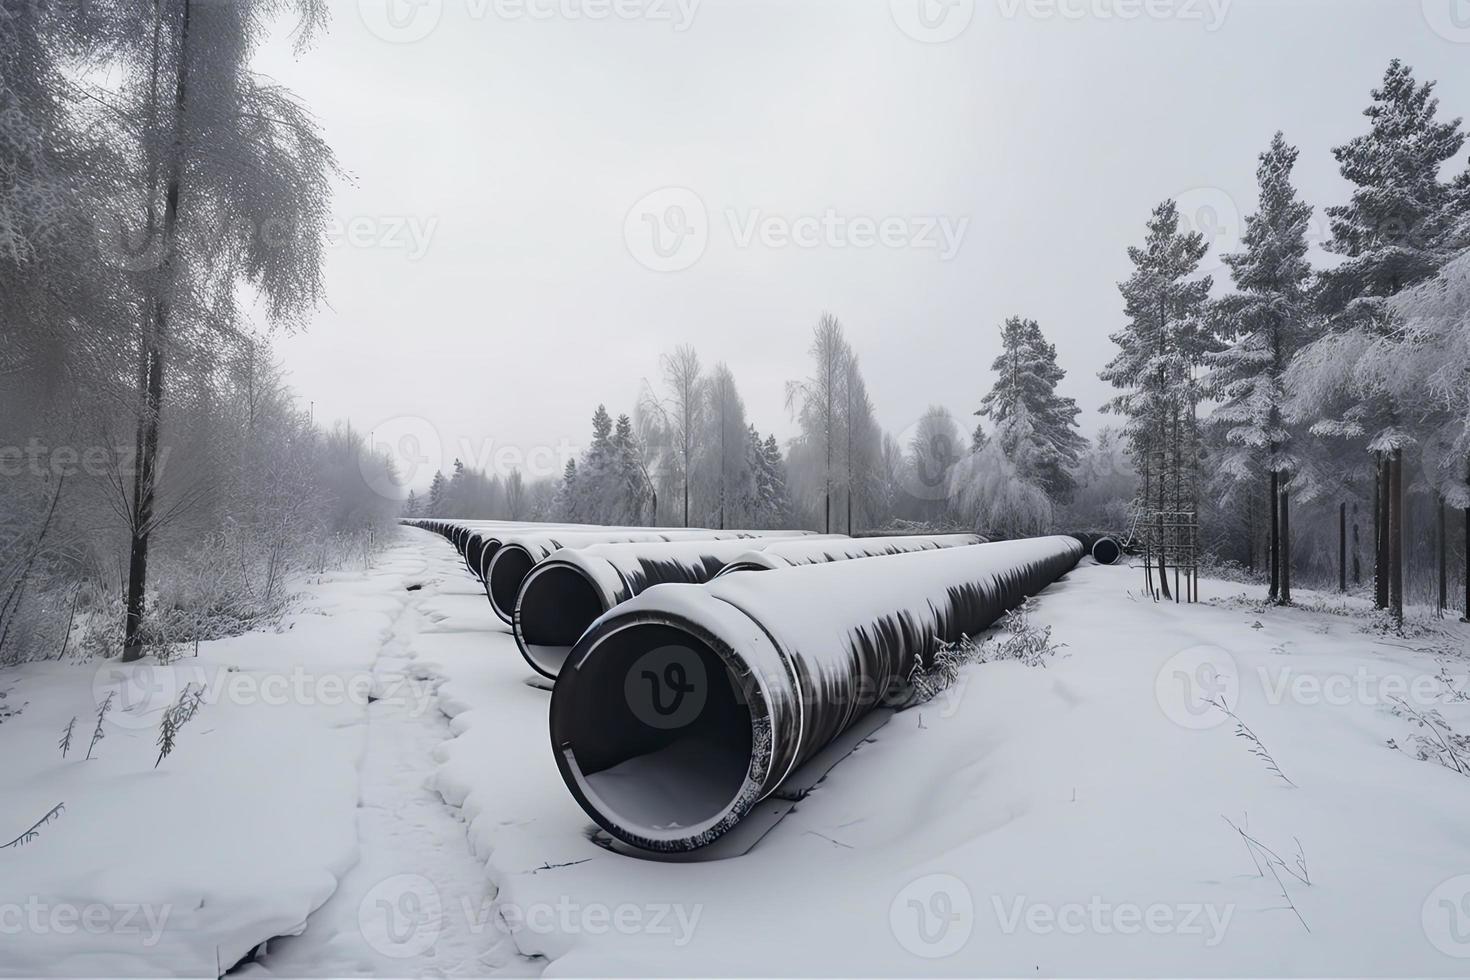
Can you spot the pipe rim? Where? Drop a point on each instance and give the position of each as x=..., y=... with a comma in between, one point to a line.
x=502, y=566
x=524, y=642
x=762, y=749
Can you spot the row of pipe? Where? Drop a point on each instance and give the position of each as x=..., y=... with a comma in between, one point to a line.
x=688, y=689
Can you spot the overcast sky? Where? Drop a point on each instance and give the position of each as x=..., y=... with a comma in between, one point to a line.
x=546, y=194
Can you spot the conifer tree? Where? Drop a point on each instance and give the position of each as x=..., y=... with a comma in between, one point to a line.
x=1037, y=427
x=1400, y=226
x=1266, y=322
x=1164, y=341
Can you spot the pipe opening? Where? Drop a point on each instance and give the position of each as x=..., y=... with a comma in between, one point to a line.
x=509, y=569
x=1106, y=551
x=657, y=734
x=555, y=608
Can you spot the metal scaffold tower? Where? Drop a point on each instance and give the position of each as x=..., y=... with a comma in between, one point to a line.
x=1167, y=530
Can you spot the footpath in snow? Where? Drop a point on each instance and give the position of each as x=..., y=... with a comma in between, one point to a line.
x=1097, y=816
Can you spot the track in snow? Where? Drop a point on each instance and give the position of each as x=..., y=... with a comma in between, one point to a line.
x=418, y=902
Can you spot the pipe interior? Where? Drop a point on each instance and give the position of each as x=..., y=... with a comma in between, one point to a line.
x=1105, y=551
x=509, y=570
x=556, y=607
x=649, y=778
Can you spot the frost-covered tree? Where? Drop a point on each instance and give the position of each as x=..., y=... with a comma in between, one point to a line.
x=680, y=416
x=769, y=502
x=1036, y=426
x=723, y=469
x=992, y=496
x=1401, y=224
x=516, y=505
x=564, y=506
x=1430, y=359
x=934, y=450
x=222, y=181
x=820, y=403
x=1159, y=350
x=627, y=486
x=1265, y=322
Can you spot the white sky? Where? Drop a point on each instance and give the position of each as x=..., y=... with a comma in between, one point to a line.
x=515, y=146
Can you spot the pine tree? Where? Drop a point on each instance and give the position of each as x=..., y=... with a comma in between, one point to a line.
x=1037, y=428
x=1164, y=341
x=1400, y=226
x=723, y=470
x=628, y=482
x=565, y=504
x=597, y=475
x=770, y=501
x=1266, y=322
x=438, y=490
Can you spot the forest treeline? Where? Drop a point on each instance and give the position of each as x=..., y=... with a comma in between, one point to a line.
x=1310, y=420
x=688, y=454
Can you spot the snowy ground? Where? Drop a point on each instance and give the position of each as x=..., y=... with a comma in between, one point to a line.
x=1066, y=820
x=301, y=780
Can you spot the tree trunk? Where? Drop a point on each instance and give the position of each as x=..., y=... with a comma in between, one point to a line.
x=1380, y=533
x=1342, y=546
x=1396, y=536
x=1285, y=546
x=155, y=342
x=1273, y=542
x=1250, y=534
x=1444, y=593
x=1466, y=541
x=1357, y=562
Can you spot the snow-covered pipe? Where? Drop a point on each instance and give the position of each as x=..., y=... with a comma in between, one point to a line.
x=566, y=592
x=807, y=552
x=520, y=553
x=682, y=708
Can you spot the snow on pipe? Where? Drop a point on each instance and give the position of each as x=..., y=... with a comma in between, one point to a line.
x=789, y=553
x=682, y=708
x=566, y=592
x=519, y=554
x=490, y=542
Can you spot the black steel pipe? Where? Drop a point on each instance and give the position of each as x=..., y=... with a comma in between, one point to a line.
x=564, y=593
x=520, y=553
x=685, y=706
